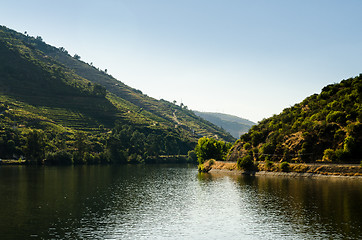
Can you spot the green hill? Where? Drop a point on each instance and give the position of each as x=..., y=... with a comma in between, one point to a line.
x=236, y=126
x=325, y=126
x=45, y=90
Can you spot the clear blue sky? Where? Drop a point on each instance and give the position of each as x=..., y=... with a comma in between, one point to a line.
x=247, y=58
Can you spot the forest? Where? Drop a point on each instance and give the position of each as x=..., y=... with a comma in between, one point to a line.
x=323, y=127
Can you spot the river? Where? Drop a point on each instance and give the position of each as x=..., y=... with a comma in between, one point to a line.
x=173, y=202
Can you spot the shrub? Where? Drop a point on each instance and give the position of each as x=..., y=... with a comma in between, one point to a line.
x=246, y=163
x=206, y=166
x=191, y=157
x=268, y=148
x=341, y=155
x=135, y=158
x=284, y=166
x=300, y=168
x=269, y=165
x=247, y=146
x=329, y=155
x=336, y=116
x=60, y=157
x=349, y=144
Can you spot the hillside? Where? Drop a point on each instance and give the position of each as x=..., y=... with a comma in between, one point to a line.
x=45, y=90
x=325, y=126
x=236, y=126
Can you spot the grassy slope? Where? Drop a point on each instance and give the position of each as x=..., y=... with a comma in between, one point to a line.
x=45, y=82
x=328, y=121
x=159, y=111
x=234, y=125
x=28, y=76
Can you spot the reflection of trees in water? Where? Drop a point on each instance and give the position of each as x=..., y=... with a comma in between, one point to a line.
x=326, y=205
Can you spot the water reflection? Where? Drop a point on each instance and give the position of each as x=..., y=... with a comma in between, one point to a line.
x=327, y=208
x=170, y=201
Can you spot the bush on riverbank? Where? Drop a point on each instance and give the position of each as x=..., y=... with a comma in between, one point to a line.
x=206, y=166
x=269, y=165
x=59, y=158
x=284, y=167
x=247, y=164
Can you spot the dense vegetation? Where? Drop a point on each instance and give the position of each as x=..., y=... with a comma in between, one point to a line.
x=210, y=149
x=55, y=107
x=234, y=125
x=325, y=126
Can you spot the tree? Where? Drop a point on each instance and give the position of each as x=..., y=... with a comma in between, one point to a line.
x=99, y=90
x=246, y=163
x=209, y=148
x=81, y=147
x=76, y=56
x=35, y=147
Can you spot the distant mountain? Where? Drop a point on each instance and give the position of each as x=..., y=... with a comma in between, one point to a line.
x=236, y=126
x=325, y=126
x=45, y=89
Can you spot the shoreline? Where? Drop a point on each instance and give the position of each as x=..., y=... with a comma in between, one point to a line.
x=318, y=170
x=282, y=174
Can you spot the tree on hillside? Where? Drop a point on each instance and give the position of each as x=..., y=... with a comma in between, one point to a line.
x=81, y=147
x=35, y=146
x=38, y=38
x=99, y=90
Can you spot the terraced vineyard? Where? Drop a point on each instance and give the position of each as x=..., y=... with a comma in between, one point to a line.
x=44, y=88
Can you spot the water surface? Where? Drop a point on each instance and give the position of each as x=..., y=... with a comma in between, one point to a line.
x=173, y=202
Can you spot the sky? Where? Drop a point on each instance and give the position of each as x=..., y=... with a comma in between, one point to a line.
x=247, y=58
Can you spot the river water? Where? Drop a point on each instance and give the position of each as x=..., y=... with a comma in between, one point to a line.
x=173, y=202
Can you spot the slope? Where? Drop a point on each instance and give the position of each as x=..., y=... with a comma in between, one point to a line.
x=236, y=126
x=132, y=100
x=325, y=126
x=39, y=92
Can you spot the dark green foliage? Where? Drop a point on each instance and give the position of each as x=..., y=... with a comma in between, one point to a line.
x=246, y=163
x=35, y=147
x=267, y=148
x=349, y=144
x=336, y=116
x=329, y=155
x=284, y=167
x=10, y=142
x=191, y=157
x=59, y=158
x=269, y=165
x=247, y=146
x=329, y=120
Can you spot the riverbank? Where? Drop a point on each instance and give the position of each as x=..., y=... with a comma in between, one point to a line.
x=11, y=162
x=294, y=170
